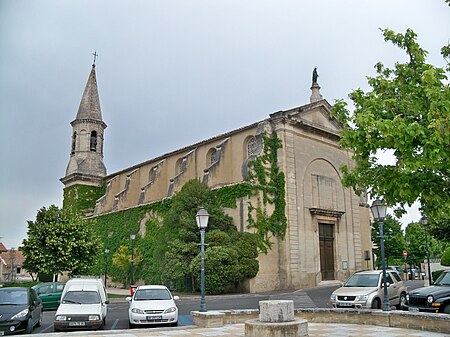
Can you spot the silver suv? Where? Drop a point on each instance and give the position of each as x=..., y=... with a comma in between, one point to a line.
x=364, y=290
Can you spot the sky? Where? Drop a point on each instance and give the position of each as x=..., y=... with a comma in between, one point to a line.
x=174, y=72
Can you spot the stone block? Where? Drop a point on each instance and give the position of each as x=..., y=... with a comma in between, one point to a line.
x=256, y=328
x=276, y=311
x=208, y=319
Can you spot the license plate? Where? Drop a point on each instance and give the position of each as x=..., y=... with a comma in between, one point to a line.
x=413, y=309
x=77, y=323
x=153, y=318
x=344, y=304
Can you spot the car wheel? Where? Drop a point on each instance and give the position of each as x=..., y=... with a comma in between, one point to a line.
x=130, y=325
x=402, y=302
x=376, y=303
x=29, y=326
x=447, y=309
x=174, y=324
x=55, y=329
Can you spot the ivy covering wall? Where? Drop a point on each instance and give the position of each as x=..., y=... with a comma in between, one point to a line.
x=266, y=217
x=81, y=197
x=268, y=186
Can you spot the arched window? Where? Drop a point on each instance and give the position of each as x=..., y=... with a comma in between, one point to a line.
x=74, y=142
x=180, y=165
x=252, y=147
x=93, y=145
x=213, y=156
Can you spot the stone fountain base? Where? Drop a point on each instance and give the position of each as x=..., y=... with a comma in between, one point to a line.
x=276, y=319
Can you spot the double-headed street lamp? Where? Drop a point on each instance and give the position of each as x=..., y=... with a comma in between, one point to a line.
x=132, y=237
x=379, y=213
x=202, y=218
x=424, y=222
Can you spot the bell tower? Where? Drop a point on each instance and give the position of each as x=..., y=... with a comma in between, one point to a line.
x=86, y=170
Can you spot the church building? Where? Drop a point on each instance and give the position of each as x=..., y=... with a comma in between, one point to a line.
x=328, y=228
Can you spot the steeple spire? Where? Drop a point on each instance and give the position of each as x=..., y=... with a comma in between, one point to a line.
x=85, y=165
x=90, y=102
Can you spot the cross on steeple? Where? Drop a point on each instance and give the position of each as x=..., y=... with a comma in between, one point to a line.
x=95, y=56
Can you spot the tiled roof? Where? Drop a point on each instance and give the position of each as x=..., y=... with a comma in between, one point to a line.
x=18, y=257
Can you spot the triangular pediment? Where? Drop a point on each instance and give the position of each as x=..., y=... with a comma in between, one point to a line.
x=317, y=115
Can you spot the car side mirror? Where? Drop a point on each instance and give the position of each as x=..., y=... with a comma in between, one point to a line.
x=176, y=298
x=107, y=302
x=128, y=298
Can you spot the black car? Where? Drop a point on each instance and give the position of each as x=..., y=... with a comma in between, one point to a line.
x=20, y=310
x=435, y=298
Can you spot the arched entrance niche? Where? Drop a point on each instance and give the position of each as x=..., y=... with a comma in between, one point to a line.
x=324, y=202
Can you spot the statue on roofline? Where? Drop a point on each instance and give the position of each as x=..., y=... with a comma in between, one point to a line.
x=315, y=75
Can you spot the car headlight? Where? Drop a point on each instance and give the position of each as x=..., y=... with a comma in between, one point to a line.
x=137, y=311
x=361, y=298
x=407, y=297
x=61, y=318
x=21, y=314
x=172, y=309
x=333, y=297
x=430, y=299
x=94, y=317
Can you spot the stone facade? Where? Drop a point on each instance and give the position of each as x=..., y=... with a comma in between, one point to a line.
x=310, y=158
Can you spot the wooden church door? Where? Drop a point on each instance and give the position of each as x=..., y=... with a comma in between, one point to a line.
x=326, y=239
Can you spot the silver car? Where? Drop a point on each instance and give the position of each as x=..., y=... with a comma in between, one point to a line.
x=364, y=290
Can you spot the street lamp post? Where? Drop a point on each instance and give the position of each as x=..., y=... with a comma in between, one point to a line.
x=132, y=237
x=106, y=264
x=379, y=213
x=202, y=218
x=424, y=222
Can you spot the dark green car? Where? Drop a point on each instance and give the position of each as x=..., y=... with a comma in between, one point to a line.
x=49, y=293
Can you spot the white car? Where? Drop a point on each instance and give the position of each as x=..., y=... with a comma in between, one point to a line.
x=152, y=304
x=84, y=305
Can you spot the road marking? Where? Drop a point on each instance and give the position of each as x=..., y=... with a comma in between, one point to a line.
x=115, y=324
x=185, y=320
x=300, y=299
x=47, y=328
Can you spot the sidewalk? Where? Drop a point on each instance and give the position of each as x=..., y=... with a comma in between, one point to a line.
x=237, y=330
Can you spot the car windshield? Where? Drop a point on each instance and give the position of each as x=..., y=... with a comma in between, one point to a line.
x=443, y=280
x=151, y=294
x=81, y=297
x=362, y=280
x=13, y=297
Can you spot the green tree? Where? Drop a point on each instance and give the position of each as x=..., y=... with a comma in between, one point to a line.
x=416, y=239
x=406, y=112
x=445, y=260
x=394, y=241
x=121, y=259
x=229, y=259
x=59, y=241
x=175, y=243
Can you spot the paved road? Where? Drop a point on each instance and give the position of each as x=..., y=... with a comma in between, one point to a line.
x=304, y=298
